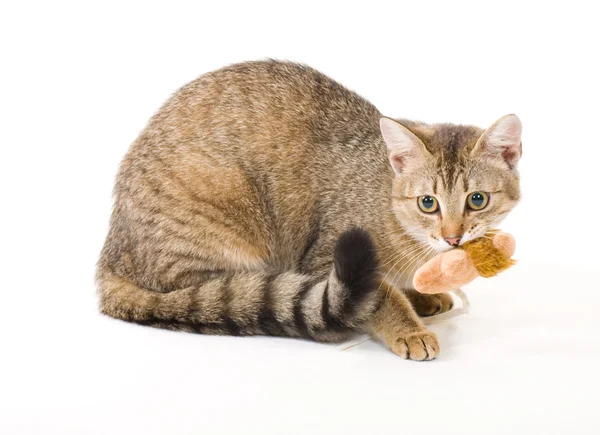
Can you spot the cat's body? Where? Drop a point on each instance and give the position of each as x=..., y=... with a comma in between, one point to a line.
x=229, y=205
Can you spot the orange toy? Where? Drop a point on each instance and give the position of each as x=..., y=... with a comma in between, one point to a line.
x=486, y=256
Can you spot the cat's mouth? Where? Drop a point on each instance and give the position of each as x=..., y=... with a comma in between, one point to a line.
x=440, y=245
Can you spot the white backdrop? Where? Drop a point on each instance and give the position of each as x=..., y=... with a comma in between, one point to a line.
x=79, y=81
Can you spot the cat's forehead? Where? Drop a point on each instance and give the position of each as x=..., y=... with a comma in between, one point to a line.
x=451, y=166
x=450, y=140
x=450, y=146
x=447, y=142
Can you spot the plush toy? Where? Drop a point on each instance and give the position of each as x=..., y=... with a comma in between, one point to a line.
x=486, y=256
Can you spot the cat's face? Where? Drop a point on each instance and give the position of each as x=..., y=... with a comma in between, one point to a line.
x=453, y=182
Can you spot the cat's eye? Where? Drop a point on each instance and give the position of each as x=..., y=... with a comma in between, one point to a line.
x=478, y=200
x=428, y=204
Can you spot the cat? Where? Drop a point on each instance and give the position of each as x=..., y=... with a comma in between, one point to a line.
x=266, y=198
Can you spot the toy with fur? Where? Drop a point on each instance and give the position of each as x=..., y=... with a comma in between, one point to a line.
x=486, y=256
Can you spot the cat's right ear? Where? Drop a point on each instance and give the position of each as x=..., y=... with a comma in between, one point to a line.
x=405, y=150
x=502, y=141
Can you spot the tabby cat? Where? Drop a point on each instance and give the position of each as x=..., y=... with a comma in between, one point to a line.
x=266, y=198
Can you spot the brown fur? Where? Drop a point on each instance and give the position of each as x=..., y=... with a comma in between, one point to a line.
x=234, y=201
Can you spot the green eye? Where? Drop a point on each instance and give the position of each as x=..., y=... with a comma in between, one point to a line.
x=428, y=204
x=478, y=200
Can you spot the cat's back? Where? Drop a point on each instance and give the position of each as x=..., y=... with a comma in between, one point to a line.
x=244, y=156
x=281, y=121
x=274, y=87
x=265, y=102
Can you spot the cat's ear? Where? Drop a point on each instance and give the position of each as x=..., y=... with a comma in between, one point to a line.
x=502, y=141
x=405, y=150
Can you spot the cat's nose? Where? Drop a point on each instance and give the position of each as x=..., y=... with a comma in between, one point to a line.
x=454, y=241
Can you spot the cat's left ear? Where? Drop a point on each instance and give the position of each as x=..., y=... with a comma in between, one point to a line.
x=502, y=141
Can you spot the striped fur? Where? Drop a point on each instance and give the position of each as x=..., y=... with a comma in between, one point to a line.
x=249, y=303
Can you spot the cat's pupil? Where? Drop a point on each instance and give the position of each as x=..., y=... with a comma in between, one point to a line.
x=428, y=202
x=477, y=199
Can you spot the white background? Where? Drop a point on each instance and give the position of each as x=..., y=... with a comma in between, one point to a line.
x=78, y=83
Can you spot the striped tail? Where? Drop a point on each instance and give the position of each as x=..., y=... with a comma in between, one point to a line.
x=249, y=303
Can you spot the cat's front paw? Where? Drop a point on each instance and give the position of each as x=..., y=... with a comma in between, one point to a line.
x=429, y=305
x=419, y=346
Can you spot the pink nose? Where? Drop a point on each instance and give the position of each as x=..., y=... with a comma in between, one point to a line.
x=454, y=241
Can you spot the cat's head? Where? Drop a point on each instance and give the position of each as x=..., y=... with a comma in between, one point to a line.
x=453, y=182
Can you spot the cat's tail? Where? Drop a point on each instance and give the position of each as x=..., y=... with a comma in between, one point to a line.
x=247, y=303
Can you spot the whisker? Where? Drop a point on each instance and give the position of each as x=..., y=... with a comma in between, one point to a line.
x=403, y=269
x=400, y=256
x=419, y=262
x=404, y=255
x=395, y=254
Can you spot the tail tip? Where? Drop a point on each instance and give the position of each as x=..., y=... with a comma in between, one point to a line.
x=355, y=260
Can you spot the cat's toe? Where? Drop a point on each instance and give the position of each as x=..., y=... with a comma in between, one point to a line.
x=446, y=302
x=419, y=346
x=429, y=305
